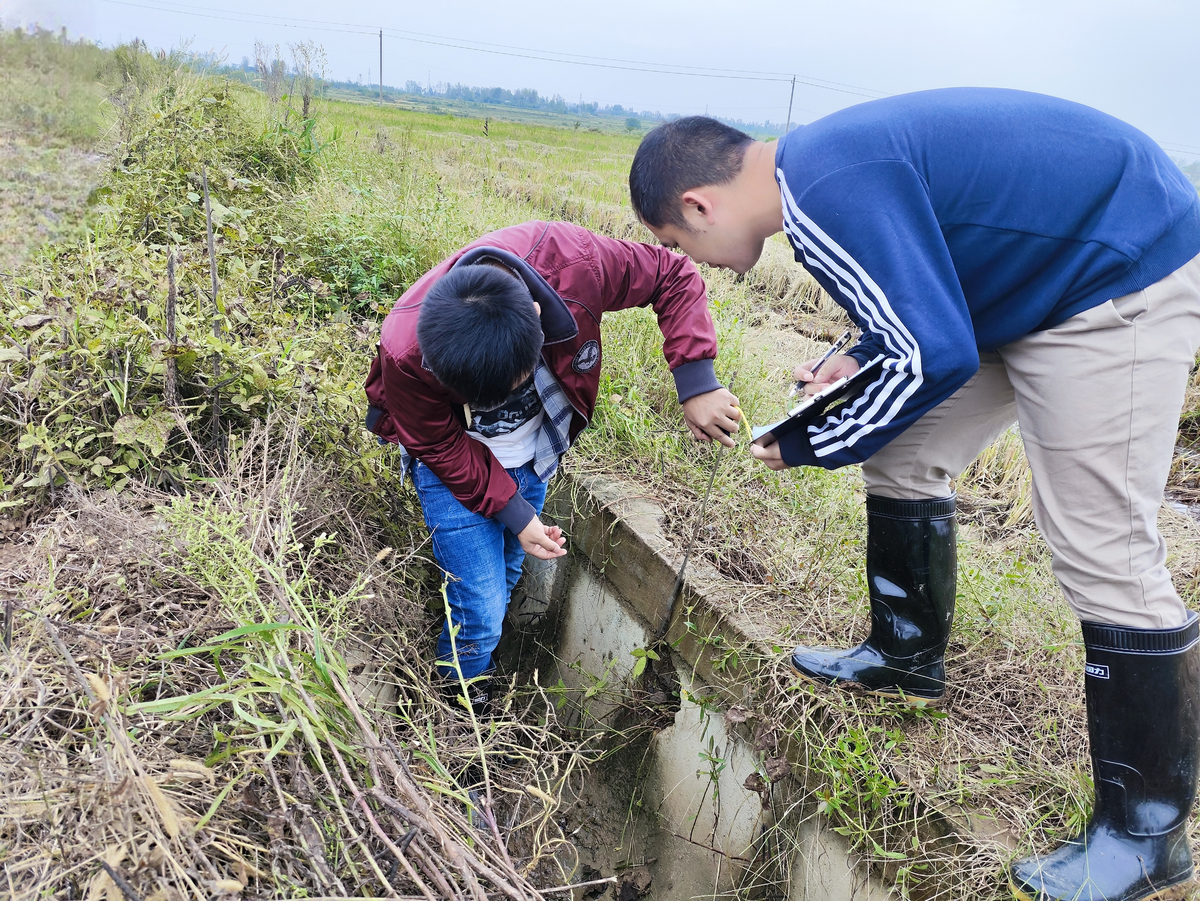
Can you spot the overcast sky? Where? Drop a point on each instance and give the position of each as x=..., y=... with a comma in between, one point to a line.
x=1136, y=60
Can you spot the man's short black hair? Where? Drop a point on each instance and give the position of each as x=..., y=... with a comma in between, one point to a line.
x=480, y=333
x=678, y=156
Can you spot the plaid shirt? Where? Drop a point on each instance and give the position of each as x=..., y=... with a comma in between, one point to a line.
x=553, y=437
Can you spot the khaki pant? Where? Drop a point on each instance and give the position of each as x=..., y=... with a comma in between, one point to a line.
x=1098, y=400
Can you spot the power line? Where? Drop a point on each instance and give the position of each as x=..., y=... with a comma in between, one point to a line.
x=166, y=4
x=573, y=59
x=571, y=62
x=204, y=15
x=1180, y=148
x=519, y=52
x=609, y=59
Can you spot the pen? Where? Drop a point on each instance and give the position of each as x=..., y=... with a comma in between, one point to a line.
x=841, y=341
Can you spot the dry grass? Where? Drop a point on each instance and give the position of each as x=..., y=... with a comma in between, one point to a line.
x=179, y=720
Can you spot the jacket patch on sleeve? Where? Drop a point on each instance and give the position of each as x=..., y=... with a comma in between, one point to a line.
x=587, y=356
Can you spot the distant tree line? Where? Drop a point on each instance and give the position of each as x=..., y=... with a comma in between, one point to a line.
x=522, y=98
x=528, y=98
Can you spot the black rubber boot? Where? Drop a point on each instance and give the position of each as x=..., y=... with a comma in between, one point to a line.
x=479, y=691
x=1143, y=704
x=911, y=573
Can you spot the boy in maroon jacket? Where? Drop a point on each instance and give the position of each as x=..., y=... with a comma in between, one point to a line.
x=488, y=369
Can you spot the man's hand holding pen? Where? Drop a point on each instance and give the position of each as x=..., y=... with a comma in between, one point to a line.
x=831, y=366
x=816, y=376
x=811, y=378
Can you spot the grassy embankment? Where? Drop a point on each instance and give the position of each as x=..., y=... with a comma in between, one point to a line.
x=51, y=118
x=288, y=505
x=189, y=574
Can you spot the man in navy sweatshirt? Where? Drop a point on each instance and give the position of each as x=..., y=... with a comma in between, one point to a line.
x=1010, y=257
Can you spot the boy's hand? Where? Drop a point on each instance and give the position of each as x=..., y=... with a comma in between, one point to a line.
x=544, y=543
x=713, y=414
x=836, y=367
x=771, y=455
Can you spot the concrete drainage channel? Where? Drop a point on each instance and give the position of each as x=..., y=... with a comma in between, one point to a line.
x=672, y=813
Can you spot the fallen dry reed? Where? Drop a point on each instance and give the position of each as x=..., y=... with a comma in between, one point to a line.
x=179, y=719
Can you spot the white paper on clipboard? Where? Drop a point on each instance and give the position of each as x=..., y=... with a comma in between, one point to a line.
x=811, y=408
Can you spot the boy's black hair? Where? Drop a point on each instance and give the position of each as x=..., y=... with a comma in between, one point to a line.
x=479, y=333
x=678, y=156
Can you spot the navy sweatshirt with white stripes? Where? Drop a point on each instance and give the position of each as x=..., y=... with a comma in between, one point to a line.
x=954, y=221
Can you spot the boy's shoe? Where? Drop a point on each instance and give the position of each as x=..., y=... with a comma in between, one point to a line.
x=479, y=692
x=911, y=572
x=1143, y=704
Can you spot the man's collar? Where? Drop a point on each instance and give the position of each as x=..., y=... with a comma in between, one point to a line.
x=557, y=322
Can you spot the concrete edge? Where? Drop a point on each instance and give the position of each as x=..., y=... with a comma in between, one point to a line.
x=619, y=532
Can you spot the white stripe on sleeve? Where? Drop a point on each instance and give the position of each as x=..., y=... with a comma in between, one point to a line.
x=901, y=376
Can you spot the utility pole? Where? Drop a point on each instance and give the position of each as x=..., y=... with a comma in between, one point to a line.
x=792, y=97
x=381, y=67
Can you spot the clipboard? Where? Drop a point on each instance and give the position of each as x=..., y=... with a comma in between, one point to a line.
x=812, y=408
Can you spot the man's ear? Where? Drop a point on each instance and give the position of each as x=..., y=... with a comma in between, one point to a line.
x=537, y=308
x=698, y=202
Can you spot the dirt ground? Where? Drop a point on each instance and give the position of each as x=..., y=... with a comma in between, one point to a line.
x=43, y=195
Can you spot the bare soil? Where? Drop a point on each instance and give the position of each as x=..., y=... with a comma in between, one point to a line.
x=43, y=195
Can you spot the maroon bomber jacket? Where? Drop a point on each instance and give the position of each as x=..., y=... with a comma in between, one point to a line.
x=575, y=276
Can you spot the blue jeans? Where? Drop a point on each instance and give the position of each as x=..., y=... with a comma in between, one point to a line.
x=482, y=561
